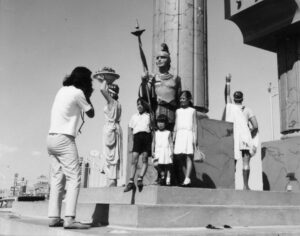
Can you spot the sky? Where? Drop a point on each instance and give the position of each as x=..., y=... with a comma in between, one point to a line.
x=42, y=41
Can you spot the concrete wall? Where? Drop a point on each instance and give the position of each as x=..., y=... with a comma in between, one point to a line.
x=279, y=158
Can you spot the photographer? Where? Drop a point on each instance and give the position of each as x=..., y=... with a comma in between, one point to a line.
x=70, y=101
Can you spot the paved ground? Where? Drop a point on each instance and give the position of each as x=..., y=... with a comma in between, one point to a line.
x=11, y=225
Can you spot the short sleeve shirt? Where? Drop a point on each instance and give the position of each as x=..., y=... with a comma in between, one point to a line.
x=248, y=113
x=140, y=123
x=66, y=110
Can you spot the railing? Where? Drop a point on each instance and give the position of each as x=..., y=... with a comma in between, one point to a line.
x=6, y=202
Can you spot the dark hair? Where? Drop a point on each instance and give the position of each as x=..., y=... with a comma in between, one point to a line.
x=162, y=118
x=115, y=89
x=144, y=104
x=238, y=96
x=81, y=79
x=188, y=95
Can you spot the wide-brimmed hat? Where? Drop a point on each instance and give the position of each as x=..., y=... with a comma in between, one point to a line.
x=106, y=71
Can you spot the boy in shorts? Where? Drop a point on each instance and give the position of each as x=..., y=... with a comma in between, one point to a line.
x=140, y=127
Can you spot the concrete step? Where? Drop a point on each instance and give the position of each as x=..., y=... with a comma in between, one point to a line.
x=200, y=215
x=157, y=206
x=21, y=226
x=151, y=195
x=172, y=216
x=105, y=195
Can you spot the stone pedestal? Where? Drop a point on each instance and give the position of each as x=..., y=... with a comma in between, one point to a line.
x=215, y=139
x=288, y=54
x=279, y=158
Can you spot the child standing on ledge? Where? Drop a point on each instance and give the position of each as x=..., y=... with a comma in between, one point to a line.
x=162, y=150
x=185, y=133
x=140, y=127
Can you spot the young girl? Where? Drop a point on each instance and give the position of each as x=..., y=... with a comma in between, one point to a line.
x=140, y=127
x=162, y=150
x=185, y=133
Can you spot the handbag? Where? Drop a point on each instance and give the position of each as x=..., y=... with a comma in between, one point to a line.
x=199, y=156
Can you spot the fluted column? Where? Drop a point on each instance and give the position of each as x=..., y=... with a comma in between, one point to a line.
x=182, y=25
x=288, y=55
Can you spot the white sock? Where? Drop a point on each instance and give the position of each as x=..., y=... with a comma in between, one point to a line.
x=187, y=180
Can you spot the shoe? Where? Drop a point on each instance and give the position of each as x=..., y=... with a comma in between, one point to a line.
x=168, y=181
x=56, y=222
x=72, y=224
x=162, y=182
x=186, y=183
x=130, y=186
x=140, y=184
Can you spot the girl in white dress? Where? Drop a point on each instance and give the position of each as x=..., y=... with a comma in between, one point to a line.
x=185, y=133
x=162, y=150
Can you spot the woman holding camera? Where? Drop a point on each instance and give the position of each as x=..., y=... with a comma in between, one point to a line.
x=70, y=102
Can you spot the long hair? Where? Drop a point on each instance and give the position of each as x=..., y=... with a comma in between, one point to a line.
x=144, y=104
x=81, y=79
x=188, y=95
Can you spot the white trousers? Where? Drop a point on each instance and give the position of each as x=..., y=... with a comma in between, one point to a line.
x=65, y=170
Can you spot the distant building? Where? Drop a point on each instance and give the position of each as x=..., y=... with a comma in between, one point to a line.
x=42, y=186
x=4, y=193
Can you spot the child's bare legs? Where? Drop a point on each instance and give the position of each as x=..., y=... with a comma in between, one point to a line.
x=134, y=162
x=189, y=165
x=156, y=166
x=168, y=172
x=143, y=170
x=162, y=173
x=246, y=168
x=145, y=164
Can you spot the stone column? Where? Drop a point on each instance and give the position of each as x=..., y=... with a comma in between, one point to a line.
x=288, y=55
x=181, y=24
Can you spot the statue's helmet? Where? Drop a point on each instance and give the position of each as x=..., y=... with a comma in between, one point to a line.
x=164, y=52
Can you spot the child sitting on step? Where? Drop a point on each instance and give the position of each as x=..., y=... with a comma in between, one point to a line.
x=162, y=150
x=140, y=127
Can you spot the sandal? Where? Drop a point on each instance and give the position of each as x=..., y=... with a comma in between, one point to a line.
x=56, y=222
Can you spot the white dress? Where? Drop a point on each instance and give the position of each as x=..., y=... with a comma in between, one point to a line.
x=184, y=131
x=112, y=140
x=162, y=147
x=241, y=132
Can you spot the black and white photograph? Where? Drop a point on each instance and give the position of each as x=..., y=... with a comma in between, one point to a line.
x=150, y=117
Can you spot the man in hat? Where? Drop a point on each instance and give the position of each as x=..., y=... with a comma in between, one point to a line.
x=164, y=88
x=245, y=129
